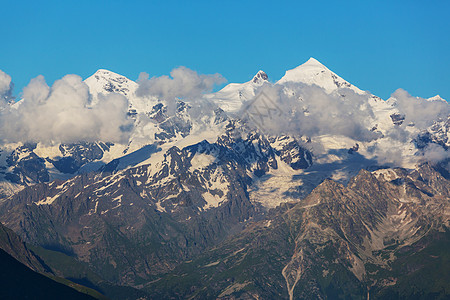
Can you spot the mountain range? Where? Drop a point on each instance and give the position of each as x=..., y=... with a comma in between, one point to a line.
x=306, y=188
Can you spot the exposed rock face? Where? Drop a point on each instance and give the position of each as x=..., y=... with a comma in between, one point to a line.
x=178, y=206
x=171, y=124
x=258, y=152
x=14, y=246
x=339, y=82
x=397, y=119
x=438, y=133
x=26, y=167
x=31, y=260
x=291, y=152
x=76, y=155
x=220, y=116
x=111, y=222
x=138, y=227
x=346, y=241
x=260, y=77
x=353, y=149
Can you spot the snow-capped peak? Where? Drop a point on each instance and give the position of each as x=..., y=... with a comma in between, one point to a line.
x=231, y=97
x=104, y=72
x=436, y=98
x=260, y=77
x=105, y=81
x=103, y=75
x=314, y=62
x=313, y=72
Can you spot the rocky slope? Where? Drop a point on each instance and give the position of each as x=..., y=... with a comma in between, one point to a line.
x=366, y=239
x=177, y=207
x=35, y=271
x=14, y=246
x=20, y=282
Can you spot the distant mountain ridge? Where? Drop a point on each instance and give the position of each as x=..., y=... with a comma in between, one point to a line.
x=153, y=124
x=327, y=194
x=368, y=239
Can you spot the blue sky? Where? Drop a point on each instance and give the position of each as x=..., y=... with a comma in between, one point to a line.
x=377, y=45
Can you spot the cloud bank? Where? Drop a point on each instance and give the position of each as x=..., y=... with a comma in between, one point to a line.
x=308, y=110
x=435, y=153
x=6, y=87
x=183, y=83
x=62, y=114
x=420, y=111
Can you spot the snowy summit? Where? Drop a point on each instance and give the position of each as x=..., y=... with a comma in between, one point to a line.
x=313, y=72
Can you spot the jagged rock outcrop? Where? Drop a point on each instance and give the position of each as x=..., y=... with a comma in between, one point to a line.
x=26, y=167
x=347, y=241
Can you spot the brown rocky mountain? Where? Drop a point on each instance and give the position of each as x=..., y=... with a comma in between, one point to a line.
x=374, y=238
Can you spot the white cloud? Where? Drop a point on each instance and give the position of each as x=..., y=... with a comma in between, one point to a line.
x=62, y=114
x=5, y=81
x=418, y=110
x=184, y=83
x=37, y=90
x=5, y=87
x=435, y=153
x=309, y=110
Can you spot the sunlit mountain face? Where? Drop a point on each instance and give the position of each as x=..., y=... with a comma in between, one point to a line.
x=303, y=188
